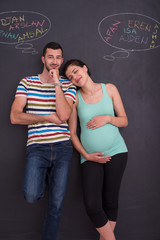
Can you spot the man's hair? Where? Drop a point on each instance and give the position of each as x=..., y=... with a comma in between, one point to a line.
x=52, y=45
x=74, y=62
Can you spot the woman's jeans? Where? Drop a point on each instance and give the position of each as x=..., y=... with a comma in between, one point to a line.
x=51, y=162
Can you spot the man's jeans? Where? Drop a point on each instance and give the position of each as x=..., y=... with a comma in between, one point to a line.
x=52, y=160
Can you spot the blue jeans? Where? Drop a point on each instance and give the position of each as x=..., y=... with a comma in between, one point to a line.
x=51, y=162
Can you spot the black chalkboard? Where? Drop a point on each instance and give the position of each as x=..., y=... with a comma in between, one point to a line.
x=120, y=42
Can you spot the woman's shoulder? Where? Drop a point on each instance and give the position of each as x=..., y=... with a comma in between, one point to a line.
x=111, y=89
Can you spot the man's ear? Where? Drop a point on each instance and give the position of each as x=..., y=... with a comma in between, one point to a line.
x=42, y=58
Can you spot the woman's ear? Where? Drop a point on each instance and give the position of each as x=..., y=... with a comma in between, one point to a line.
x=85, y=68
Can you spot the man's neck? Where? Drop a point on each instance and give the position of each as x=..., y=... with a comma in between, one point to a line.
x=45, y=78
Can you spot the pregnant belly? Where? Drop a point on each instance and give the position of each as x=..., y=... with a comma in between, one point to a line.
x=101, y=139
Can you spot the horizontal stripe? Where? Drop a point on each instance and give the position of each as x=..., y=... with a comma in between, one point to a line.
x=47, y=135
x=40, y=95
x=43, y=127
x=71, y=91
x=48, y=130
x=21, y=93
x=42, y=90
x=67, y=94
x=51, y=140
x=41, y=99
x=36, y=109
x=21, y=89
x=41, y=105
x=32, y=78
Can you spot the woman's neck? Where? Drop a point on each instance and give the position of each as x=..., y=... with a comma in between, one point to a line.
x=89, y=88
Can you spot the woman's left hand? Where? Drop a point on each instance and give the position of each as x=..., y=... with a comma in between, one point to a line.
x=97, y=122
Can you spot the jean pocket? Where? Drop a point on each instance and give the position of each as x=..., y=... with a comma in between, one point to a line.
x=67, y=144
x=32, y=148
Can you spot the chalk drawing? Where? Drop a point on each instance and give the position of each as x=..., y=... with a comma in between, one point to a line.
x=129, y=32
x=21, y=27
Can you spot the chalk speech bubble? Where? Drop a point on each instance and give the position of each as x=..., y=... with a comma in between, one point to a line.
x=22, y=26
x=130, y=32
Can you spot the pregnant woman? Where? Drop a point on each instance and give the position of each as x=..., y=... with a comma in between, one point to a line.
x=102, y=148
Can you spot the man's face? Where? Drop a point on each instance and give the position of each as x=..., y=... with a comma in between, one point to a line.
x=53, y=59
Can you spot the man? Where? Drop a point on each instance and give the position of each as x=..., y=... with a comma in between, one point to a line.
x=48, y=99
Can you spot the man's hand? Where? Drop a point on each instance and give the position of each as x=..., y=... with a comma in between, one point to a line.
x=54, y=74
x=53, y=118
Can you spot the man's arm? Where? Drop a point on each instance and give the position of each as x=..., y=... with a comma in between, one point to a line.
x=63, y=105
x=17, y=116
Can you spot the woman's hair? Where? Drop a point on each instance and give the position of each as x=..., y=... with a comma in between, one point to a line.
x=74, y=62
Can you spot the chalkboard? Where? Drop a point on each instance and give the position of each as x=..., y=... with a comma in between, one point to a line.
x=120, y=43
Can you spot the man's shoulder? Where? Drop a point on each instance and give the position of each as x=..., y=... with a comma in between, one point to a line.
x=65, y=81
x=32, y=78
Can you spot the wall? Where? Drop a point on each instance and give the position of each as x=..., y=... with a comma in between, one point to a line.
x=119, y=40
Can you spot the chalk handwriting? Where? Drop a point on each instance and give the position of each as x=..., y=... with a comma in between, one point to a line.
x=22, y=26
x=10, y=20
x=154, y=36
x=129, y=32
x=30, y=35
x=111, y=30
x=135, y=39
x=139, y=25
x=26, y=25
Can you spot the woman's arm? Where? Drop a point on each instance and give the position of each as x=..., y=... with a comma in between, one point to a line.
x=120, y=120
x=72, y=123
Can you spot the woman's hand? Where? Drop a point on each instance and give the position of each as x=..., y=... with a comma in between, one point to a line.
x=98, y=121
x=97, y=157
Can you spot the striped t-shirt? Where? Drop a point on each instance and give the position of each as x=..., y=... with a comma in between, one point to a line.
x=41, y=99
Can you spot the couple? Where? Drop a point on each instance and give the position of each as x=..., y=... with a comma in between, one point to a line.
x=52, y=106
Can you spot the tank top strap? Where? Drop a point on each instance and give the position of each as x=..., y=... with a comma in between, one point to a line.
x=105, y=93
x=79, y=96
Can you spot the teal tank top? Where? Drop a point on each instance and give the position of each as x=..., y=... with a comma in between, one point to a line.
x=105, y=139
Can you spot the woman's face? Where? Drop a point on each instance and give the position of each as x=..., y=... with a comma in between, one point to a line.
x=77, y=75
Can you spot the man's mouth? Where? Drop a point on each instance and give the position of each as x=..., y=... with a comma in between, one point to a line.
x=54, y=66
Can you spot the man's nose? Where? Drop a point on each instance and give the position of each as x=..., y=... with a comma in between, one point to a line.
x=54, y=60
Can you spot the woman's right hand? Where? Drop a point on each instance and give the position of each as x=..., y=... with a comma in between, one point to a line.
x=97, y=157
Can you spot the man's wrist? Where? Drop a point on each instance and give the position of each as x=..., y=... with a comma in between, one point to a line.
x=57, y=84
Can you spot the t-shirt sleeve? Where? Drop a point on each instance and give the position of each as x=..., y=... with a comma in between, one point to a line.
x=71, y=92
x=22, y=88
